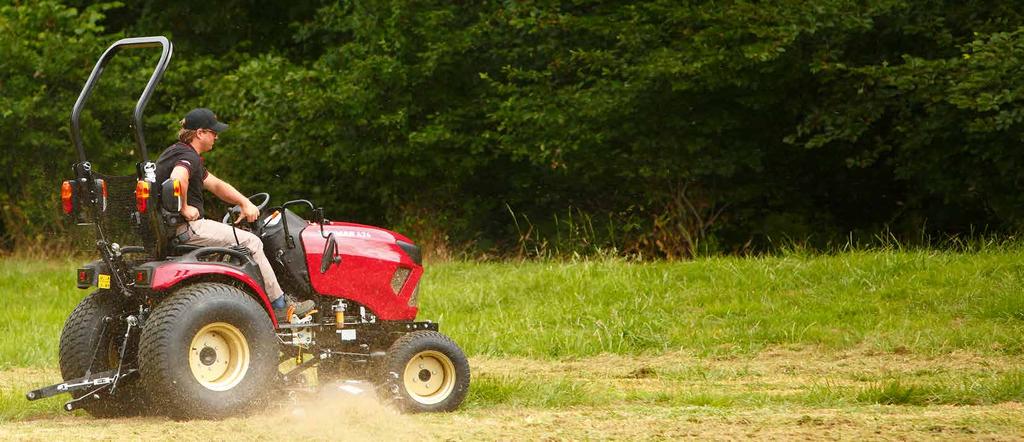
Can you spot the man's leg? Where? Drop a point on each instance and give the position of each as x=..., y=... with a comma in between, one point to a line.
x=206, y=232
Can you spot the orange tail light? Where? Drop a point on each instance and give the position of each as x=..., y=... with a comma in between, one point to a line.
x=67, y=197
x=177, y=194
x=141, y=196
x=103, y=202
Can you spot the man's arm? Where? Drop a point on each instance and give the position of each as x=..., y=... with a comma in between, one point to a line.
x=227, y=193
x=181, y=174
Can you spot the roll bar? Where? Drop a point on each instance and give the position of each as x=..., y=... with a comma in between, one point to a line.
x=161, y=66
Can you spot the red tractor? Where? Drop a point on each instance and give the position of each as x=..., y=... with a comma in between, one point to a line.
x=189, y=330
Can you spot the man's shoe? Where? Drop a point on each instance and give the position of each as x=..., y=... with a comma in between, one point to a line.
x=301, y=309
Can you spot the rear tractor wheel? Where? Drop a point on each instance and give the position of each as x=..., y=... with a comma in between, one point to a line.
x=208, y=351
x=90, y=342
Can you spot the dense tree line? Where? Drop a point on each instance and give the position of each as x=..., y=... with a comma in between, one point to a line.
x=662, y=128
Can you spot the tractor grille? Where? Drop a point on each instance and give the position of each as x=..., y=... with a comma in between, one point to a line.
x=399, y=278
x=414, y=300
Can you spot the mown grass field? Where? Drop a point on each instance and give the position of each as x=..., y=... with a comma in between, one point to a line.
x=880, y=344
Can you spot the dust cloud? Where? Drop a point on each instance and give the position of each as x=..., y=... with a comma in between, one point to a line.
x=338, y=411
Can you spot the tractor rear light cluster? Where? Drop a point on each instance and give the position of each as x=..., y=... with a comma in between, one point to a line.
x=143, y=277
x=141, y=196
x=85, y=278
x=67, y=196
x=70, y=196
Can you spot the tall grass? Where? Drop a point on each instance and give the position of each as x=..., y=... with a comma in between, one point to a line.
x=921, y=301
x=990, y=389
x=925, y=302
x=527, y=392
x=918, y=302
x=37, y=296
x=14, y=406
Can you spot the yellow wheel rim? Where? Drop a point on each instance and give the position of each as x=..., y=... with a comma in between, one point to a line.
x=219, y=356
x=429, y=377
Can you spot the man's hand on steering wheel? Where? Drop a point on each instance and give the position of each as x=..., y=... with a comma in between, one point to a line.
x=249, y=212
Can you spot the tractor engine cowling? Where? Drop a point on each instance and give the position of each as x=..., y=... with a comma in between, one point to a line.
x=379, y=269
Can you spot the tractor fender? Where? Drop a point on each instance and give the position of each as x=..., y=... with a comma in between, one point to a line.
x=169, y=276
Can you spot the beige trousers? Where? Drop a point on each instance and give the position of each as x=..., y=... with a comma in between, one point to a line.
x=207, y=232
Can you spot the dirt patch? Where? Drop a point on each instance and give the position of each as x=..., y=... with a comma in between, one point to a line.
x=799, y=361
x=787, y=423
x=775, y=371
x=363, y=422
x=741, y=415
x=317, y=419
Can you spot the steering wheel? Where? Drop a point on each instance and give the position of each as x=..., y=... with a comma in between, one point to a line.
x=236, y=210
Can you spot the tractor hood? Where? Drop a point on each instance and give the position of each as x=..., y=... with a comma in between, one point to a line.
x=379, y=268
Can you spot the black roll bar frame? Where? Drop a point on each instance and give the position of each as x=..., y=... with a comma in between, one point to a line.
x=97, y=71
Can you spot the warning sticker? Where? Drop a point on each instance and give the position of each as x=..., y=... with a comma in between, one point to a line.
x=104, y=281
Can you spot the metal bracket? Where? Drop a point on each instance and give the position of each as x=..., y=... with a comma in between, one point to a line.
x=100, y=381
x=132, y=322
x=107, y=380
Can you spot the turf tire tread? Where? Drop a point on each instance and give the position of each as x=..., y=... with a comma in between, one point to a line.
x=398, y=356
x=158, y=365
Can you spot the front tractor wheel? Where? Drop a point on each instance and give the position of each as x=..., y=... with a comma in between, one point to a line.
x=426, y=371
x=208, y=351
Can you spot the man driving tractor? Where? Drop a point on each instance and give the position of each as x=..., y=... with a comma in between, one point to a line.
x=182, y=161
x=186, y=331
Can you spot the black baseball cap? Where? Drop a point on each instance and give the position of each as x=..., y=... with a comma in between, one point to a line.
x=203, y=118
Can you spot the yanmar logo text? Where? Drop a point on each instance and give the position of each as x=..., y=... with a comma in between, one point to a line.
x=352, y=234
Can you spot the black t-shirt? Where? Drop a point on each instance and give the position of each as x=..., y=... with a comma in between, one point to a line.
x=181, y=154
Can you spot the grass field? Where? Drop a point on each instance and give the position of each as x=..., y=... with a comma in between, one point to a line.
x=878, y=344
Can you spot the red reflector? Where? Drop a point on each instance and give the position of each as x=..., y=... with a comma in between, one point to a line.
x=140, y=276
x=84, y=278
x=141, y=195
x=66, y=197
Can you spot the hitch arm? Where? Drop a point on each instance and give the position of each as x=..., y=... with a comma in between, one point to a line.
x=132, y=321
x=99, y=379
